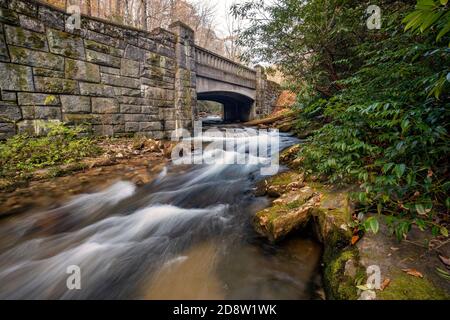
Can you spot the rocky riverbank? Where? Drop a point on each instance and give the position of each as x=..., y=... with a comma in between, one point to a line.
x=407, y=270
x=134, y=159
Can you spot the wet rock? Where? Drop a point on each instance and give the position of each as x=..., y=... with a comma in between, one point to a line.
x=277, y=185
x=283, y=218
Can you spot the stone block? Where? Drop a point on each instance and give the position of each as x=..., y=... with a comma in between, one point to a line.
x=15, y=77
x=31, y=99
x=95, y=89
x=65, y=44
x=129, y=68
x=25, y=38
x=43, y=72
x=91, y=24
x=149, y=110
x=78, y=118
x=131, y=126
x=55, y=85
x=36, y=127
x=134, y=53
x=120, y=81
x=157, y=93
x=52, y=18
x=75, y=104
x=80, y=70
x=8, y=16
x=150, y=126
x=36, y=58
x=100, y=47
x=29, y=23
x=157, y=84
x=8, y=96
x=140, y=117
x=169, y=125
x=127, y=108
x=127, y=92
x=167, y=114
x=109, y=70
x=102, y=59
x=134, y=100
x=7, y=130
x=113, y=31
x=41, y=112
x=102, y=38
x=4, y=55
x=26, y=7
x=105, y=105
x=9, y=111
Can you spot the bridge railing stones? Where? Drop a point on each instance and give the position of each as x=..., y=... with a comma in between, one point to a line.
x=213, y=66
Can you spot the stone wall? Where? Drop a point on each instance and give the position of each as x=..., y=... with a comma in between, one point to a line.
x=118, y=79
x=267, y=93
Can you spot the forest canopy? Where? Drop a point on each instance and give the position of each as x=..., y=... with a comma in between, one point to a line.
x=379, y=97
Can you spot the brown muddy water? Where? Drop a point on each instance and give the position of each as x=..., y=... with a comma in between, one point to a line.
x=185, y=235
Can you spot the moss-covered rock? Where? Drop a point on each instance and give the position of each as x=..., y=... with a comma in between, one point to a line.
x=282, y=219
x=340, y=280
x=277, y=185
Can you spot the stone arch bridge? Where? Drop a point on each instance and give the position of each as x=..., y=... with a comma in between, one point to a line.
x=118, y=79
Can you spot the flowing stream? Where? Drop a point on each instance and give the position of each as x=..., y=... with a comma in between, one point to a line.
x=185, y=235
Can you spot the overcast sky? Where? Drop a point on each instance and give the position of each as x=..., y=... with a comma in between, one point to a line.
x=222, y=11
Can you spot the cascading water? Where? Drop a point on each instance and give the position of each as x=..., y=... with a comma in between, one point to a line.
x=186, y=235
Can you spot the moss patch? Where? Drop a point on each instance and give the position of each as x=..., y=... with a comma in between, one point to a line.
x=406, y=287
x=338, y=284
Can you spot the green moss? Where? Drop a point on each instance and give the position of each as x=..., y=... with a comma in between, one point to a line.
x=273, y=212
x=295, y=204
x=49, y=100
x=17, y=52
x=284, y=179
x=406, y=287
x=338, y=285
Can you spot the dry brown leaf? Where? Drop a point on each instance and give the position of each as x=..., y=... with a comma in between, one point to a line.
x=445, y=260
x=355, y=239
x=413, y=272
x=385, y=284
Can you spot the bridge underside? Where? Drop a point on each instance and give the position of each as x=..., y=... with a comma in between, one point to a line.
x=236, y=107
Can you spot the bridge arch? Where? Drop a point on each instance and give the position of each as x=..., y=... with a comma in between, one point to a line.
x=236, y=106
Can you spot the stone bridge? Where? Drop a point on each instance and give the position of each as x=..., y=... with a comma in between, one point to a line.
x=118, y=79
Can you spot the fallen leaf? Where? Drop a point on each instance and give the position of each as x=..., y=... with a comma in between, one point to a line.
x=385, y=284
x=445, y=260
x=355, y=239
x=413, y=272
x=394, y=248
